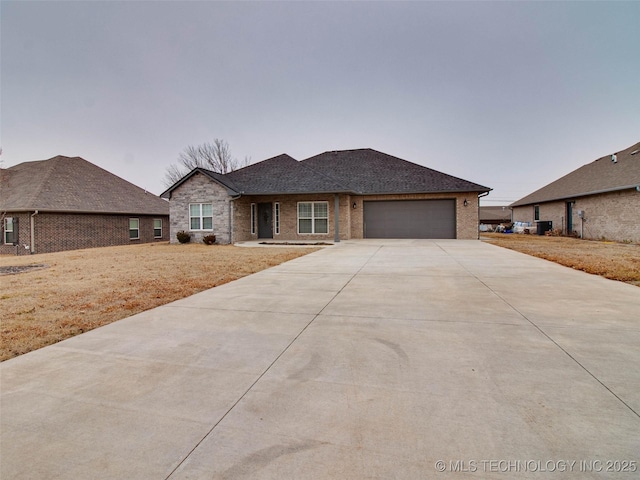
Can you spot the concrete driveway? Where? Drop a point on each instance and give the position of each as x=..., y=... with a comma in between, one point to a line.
x=369, y=359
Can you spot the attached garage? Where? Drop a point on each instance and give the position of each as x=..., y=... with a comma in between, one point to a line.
x=336, y=195
x=410, y=219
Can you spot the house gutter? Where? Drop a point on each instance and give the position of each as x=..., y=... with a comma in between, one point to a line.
x=484, y=194
x=32, y=248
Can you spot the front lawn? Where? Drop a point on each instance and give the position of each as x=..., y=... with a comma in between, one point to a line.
x=617, y=261
x=67, y=293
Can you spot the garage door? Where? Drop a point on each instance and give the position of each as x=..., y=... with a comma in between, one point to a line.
x=410, y=219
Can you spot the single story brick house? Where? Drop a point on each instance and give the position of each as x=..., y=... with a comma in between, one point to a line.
x=337, y=195
x=493, y=216
x=600, y=200
x=67, y=203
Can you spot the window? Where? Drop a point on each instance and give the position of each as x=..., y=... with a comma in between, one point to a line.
x=134, y=228
x=201, y=216
x=313, y=217
x=10, y=231
x=253, y=219
x=536, y=212
x=157, y=228
x=276, y=221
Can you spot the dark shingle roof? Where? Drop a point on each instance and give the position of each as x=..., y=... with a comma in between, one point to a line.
x=362, y=171
x=71, y=184
x=282, y=175
x=368, y=171
x=600, y=176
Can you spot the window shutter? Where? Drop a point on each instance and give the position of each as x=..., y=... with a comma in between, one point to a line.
x=14, y=235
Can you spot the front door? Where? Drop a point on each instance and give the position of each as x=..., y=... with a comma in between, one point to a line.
x=265, y=220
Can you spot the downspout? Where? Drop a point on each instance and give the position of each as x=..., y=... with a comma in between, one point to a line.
x=336, y=206
x=32, y=248
x=478, y=222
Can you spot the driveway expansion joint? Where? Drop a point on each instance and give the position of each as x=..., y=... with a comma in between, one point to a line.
x=186, y=457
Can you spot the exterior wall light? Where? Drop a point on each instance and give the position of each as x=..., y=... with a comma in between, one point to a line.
x=354, y=205
x=465, y=203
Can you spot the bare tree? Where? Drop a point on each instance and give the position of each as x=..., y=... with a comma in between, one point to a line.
x=214, y=156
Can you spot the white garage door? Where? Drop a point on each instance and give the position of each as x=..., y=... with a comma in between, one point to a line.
x=410, y=219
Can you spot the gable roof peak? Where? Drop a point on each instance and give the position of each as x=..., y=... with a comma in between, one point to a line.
x=282, y=174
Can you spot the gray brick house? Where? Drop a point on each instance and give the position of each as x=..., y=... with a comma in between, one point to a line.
x=600, y=200
x=332, y=196
x=67, y=203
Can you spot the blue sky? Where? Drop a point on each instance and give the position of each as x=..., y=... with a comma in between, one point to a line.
x=510, y=95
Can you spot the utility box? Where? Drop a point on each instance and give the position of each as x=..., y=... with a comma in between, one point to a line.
x=544, y=226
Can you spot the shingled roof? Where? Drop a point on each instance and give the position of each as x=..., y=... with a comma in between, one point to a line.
x=73, y=185
x=283, y=175
x=600, y=176
x=368, y=171
x=363, y=172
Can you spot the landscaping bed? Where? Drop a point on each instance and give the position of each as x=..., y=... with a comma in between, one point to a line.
x=616, y=261
x=49, y=297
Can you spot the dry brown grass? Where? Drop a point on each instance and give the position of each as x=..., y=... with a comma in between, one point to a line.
x=84, y=289
x=617, y=261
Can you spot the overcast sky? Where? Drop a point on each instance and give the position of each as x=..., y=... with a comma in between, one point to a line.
x=511, y=95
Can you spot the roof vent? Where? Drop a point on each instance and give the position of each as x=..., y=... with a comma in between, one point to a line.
x=614, y=158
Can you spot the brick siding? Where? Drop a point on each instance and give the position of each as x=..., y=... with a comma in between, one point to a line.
x=466, y=217
x=612, y=216
x=55, y=232
x=237, y=213
x=289, y=217
x=24, y=233
x=351, y=219
x=200, y=189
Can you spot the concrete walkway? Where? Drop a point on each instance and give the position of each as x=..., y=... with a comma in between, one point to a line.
x=368, y=359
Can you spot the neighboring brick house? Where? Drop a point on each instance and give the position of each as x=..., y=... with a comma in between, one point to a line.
x=600, y=200
x=336, y=195
x=68, y=203
x=491, y=217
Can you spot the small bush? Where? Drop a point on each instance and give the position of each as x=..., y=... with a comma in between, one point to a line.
x=209, y=239
x=183, y=237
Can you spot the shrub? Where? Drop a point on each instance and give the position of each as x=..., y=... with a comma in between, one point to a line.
x=209, y=239
x=183, y=237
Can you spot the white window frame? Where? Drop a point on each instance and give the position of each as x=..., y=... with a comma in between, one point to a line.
x=154, y=228
x=313, y=218
x=8, y=221
x=200, y=217
x=137, y=237
x=276, y=218
x=254, y=216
